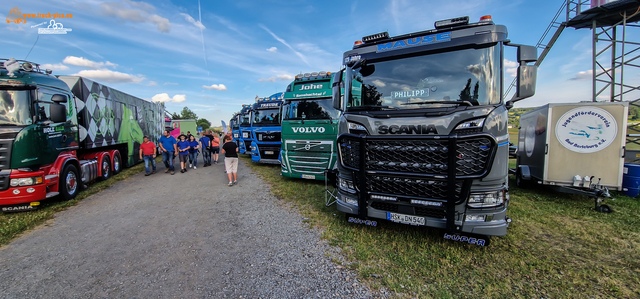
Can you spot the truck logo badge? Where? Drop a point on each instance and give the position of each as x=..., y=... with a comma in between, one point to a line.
x=308, y=129
x=307, y=146
x=415, y=41
x=411, y=129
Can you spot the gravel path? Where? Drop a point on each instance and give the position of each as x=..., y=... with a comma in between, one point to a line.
x=146, y=237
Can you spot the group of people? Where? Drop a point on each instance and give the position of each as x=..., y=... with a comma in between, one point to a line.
x=187, y=149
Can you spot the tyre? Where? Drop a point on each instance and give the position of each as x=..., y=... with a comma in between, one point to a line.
x=105, y=168
x=604, y=209
x=520, y=181
x=117, y=164
x=69, y=182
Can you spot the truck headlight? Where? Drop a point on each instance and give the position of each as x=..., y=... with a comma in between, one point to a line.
x=26, y=181
x=346, y=185
x=245, y=134
x=253, y=148
x=487, y=199
x=350, y=200
x=356, y=128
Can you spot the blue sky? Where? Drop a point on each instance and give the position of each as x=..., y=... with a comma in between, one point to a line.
x=161, y=50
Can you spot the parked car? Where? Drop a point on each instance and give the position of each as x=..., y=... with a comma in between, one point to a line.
x=513, y=150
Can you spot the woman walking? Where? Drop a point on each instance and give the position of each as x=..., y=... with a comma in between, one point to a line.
x=183, y=149
x=193, y=152
x=230, y=151
x=215, y=148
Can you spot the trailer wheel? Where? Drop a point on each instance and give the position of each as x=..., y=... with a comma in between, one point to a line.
x=520, y=181
x=105, y=168
x=69, y=182
x=117, y=164
x=604, y=209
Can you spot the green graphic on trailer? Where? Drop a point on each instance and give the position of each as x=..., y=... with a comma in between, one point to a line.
x=135, y=135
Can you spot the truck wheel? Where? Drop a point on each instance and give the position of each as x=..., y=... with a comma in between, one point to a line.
x=604, y=209
x=117, y=164
x=69, y=182
x=105, y=167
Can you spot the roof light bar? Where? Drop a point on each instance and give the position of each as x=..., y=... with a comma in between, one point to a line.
x=322, y=74
x=375, y=37
x=452, y=22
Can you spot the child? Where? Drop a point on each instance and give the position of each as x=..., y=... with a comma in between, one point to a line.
x=183, y=149
x=193, y=152
x=230, y=151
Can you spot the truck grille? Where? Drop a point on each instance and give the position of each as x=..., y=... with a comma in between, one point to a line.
x=269, y=136
x=413, y=187
x=5, y=153
x=427, y=156
x=264, y=148
x=418, y=211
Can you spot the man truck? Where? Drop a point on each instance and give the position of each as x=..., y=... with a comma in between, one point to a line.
x=58, y=133
x=235, y=127
x=246, y=135
x=309, y=126
x=423, y=138
x=265, y=146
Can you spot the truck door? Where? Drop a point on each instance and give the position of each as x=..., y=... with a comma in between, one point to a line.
x=55, y=137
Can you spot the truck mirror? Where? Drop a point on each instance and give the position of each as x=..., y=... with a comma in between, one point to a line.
x=337, y=97
x=59, y=98
x=527, y=53
x=58, y=113
x=526, y=81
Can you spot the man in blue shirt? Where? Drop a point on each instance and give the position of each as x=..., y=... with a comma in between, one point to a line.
x=205, y=145
x=169, y=150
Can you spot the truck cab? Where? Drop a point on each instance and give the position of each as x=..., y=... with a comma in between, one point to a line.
x=265, y=147
x=235, y=128
x=309, y=127
x=245, y=130
x=423, y=136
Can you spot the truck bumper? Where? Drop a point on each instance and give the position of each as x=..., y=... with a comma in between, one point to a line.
x=497, y=226
x=20, y=195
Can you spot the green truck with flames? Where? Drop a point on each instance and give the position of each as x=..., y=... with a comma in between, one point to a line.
x=58, y=133
x=309, y=127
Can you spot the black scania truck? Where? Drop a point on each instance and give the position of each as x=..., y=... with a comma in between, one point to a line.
x=423, y=138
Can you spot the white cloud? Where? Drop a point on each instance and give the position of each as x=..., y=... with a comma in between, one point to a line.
x=164, y=97
x=284, y=77
x=272, y=49
x=170, y=83
x=215, y=86
x=55, y=67
x=152, y=83
x=286, y=44
x=511, y=68
x=81, y=61
x=193, y=21
x=110, y=76
x=137, y=12
x=15, y=28
x=586, y=75
x=378, y=83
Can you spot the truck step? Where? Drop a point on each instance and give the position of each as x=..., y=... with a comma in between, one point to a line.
x=52, y=194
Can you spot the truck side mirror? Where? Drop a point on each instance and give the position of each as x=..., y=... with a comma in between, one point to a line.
x=526, y=81
x=337, y=97
x=58, y=113
x=59, y=98
x=527, y=54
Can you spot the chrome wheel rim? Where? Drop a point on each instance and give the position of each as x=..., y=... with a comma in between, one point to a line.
x=105, y=169
x=72, y=182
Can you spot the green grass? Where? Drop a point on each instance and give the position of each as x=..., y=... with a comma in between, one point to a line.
x=12, y=225
x=557, y=247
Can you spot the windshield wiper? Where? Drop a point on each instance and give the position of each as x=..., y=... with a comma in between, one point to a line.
x=466, y=103
x=371, y=107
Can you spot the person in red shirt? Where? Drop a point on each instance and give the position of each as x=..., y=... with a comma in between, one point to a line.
x=148, y=152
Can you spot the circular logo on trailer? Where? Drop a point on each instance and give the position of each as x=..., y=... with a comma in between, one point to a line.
x=586, y=129
x=529, y=139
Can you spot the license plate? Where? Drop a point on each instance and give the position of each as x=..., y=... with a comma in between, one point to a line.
x=309, y=176
x=268, y=152
x=406, y=219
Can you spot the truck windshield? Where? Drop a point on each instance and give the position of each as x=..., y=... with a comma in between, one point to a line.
x=245, y=120
x=14, y=107
x=471, y=75
x=266, y=117
x=309, y=109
